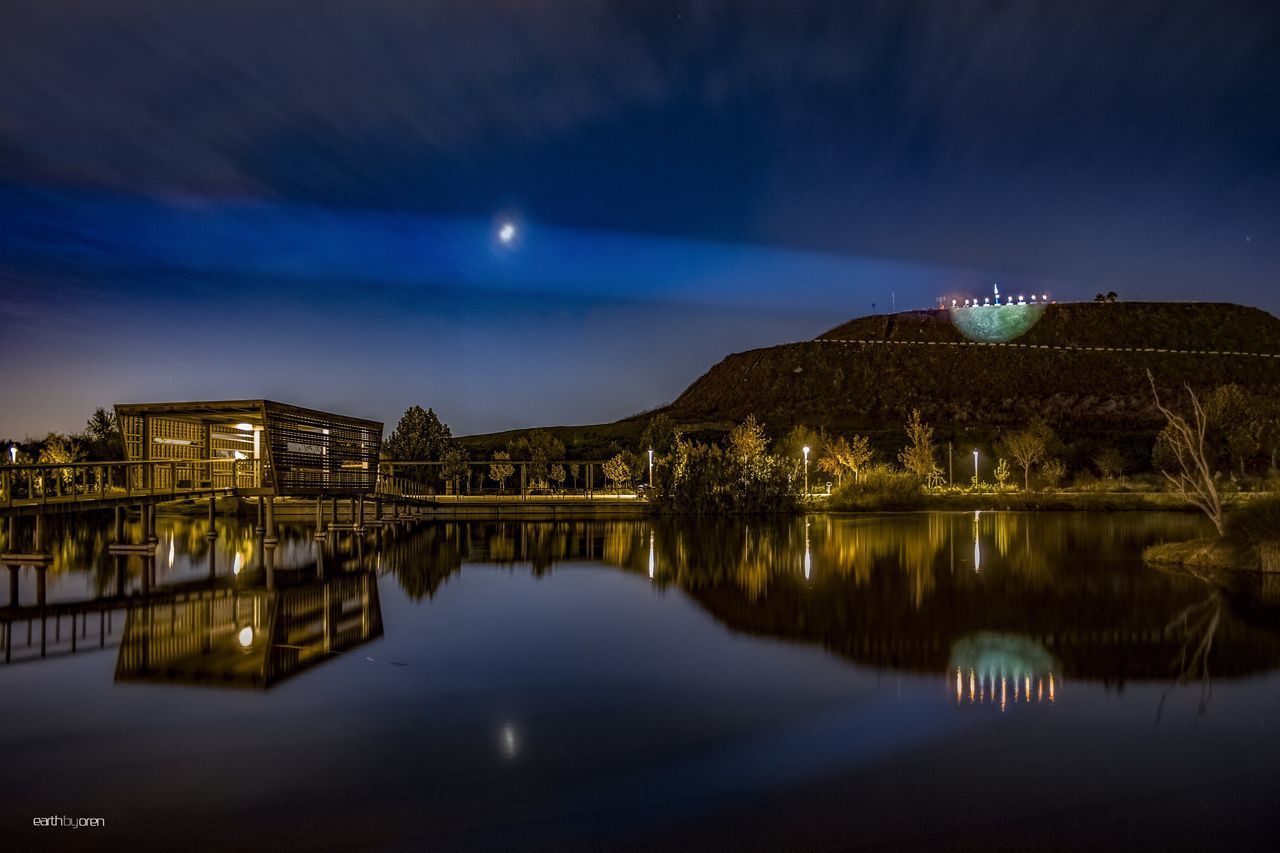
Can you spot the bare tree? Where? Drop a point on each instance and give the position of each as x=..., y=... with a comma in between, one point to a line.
x=1028, y=447
x=1184, y=441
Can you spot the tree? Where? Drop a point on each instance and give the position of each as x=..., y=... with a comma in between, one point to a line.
x=840, y=455
x=1235, y=423
x=831, y=459
x=918, y=456
x=500, y=469
x=454, y=465
x=747, y=440
x=1110, y=462
x=61, y=449
x=101, y=438
x=1027, y=447
x=557, y=476
x=419, y=437
x=1002, y=472
x=1053, y=471
x=858, y=456
x=1184, y=448
x=617, y=471
x=538, y=447
x=792, y=445
x=659, y=434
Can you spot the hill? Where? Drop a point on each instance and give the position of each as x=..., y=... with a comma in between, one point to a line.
x=1082, y=367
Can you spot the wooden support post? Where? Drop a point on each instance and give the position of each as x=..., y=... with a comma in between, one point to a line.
x=118, y=531
x=359, y=505
x=13, y=585
x=37, y=543
x=213, y=520
x=269, y=531
x=319, y=517
x=269, y=542
x=41, y=585
x=261, y=528
x=524, y=481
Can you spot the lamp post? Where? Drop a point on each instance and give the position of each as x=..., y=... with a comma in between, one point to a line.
x=806, y=471
x=975, y=465
x=13, y=454
x=651, y=472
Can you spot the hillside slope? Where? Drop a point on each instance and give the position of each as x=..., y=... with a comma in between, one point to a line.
x=919, y=360
x=869, y=373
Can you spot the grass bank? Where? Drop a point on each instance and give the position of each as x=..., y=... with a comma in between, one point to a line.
x=1250, y=543
x=876, y=500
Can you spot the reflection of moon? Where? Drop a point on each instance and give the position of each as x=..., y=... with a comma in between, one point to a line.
x=508, y=742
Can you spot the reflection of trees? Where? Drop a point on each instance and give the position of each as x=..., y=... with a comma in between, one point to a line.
x=894, y=589
x=424, y=560
x=1197, y=625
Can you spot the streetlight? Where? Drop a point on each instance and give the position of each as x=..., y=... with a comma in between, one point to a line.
x=651, y=469
x=975, y=465
x=806, y=470
x=13, y=454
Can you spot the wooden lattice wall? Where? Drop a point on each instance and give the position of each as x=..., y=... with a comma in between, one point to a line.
x=313, y=452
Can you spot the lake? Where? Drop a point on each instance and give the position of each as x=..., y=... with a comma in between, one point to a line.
x=899, y=681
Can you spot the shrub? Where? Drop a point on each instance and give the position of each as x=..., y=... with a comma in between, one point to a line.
x=880, y=488
x=1253, y=533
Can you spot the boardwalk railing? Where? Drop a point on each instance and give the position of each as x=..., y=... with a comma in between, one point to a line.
x=84, y=482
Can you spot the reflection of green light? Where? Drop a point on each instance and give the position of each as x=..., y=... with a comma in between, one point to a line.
x=1001, y=654
x=996, y=323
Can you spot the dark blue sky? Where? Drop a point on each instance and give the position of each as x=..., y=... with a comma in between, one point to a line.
x=298, y=200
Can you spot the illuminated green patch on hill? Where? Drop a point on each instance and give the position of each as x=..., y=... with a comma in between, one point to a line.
x=996, y=323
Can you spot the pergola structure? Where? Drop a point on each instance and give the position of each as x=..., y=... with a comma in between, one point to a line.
x=255, y=446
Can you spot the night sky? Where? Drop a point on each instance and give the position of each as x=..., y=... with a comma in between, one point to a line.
x=300, y=200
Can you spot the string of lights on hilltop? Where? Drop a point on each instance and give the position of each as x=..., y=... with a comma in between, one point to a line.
x=1043, y=299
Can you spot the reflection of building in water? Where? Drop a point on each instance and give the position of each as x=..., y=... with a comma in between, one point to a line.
x=1002, y=668
x=255, y=638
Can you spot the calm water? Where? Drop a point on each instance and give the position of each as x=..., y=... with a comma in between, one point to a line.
x=933, y=681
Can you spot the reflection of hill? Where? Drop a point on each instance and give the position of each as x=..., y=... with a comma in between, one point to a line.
x=901, y=591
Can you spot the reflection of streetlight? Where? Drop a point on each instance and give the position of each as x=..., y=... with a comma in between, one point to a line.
x=808, y=561
x=806, y=470
x=652, y=564
x=977, y=548
x=246, y=637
